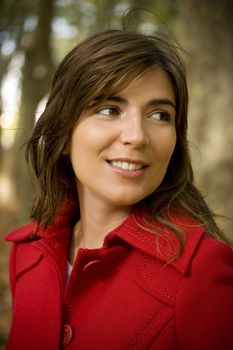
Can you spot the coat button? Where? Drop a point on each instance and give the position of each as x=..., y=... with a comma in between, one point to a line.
x=67, y=334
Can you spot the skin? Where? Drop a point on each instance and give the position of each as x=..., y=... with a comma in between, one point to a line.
x=128, y=127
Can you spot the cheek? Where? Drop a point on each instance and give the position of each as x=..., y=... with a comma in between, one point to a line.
x=164, y=145
x=92, y=135
x=78, y=147
x=87, y=145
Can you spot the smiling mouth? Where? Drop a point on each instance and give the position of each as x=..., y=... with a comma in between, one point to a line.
x=124, y=165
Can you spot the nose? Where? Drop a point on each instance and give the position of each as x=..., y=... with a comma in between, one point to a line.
x=134, y=132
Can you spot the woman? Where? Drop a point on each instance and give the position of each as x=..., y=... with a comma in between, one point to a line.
x=122, y=251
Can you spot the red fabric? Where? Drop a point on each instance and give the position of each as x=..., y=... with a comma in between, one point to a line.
x=124, y=295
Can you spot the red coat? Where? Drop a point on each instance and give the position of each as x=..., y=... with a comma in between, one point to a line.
x=122, y=296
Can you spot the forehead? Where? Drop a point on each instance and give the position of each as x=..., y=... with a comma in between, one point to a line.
x=152, y=83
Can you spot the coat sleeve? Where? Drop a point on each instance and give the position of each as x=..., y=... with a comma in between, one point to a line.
x=204, y=303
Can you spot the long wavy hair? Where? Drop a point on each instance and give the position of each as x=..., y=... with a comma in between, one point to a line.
x=99, y=67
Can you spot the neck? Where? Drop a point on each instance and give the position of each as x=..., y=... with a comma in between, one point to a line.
x=97, y=218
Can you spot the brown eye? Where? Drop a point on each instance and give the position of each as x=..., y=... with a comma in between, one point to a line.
x=108, y=111
x=160, y=115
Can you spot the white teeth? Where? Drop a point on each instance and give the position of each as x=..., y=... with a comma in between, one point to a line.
x=133, y=166
x=126, y=165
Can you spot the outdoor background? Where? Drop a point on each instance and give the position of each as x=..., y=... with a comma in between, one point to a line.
x=34, y=37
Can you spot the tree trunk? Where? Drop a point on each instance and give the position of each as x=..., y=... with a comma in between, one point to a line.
x=206, y=30
x=36, y=76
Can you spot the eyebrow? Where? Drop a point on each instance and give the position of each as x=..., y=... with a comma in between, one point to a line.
x=151, y=103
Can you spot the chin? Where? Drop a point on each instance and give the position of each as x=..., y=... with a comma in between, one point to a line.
x=128, y=200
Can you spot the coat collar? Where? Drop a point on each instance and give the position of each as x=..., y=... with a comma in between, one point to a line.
x=156, y=240
x=138, y=230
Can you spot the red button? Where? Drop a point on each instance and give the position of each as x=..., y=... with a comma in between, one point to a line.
x=67, y=335
x=90, y=263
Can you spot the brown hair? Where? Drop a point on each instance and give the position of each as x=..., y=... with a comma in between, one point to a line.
x=98, y=67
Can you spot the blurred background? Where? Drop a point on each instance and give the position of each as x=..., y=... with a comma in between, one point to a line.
x=35, y=36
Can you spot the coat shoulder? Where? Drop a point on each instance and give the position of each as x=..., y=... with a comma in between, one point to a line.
x=22, y=233
x=206, y=294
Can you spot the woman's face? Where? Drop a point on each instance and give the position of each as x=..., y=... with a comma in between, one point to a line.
x=120, y=149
